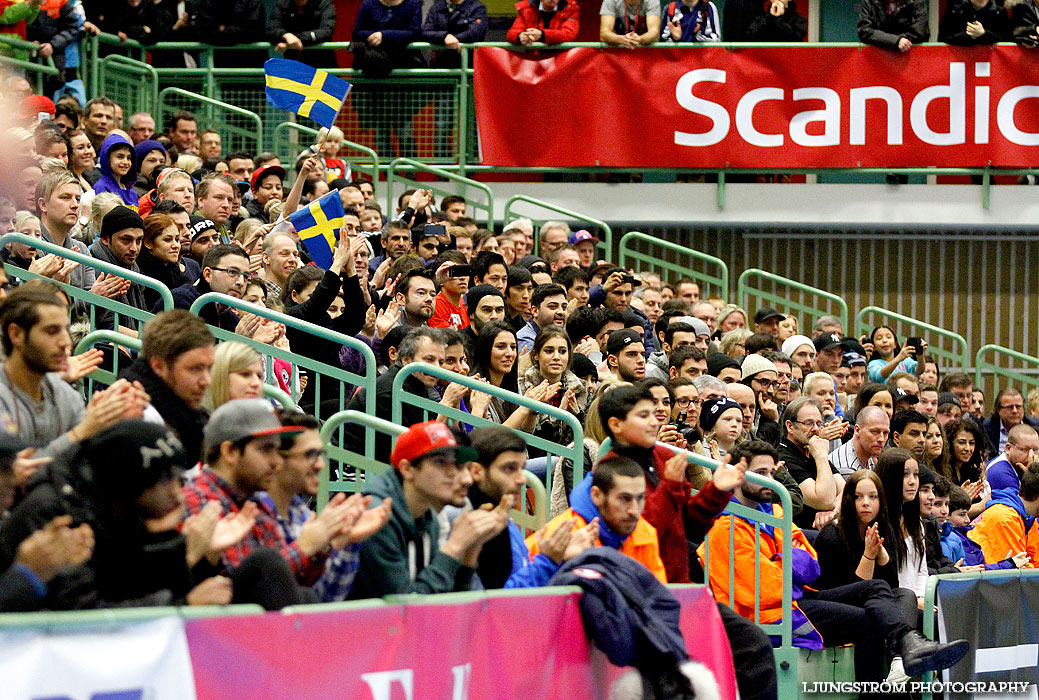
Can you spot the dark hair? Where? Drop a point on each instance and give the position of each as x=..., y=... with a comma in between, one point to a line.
x=546, y=334
x=168, y=207
x=849, y=517
x=481, y=264
x=680, y=327
x=295, y=418
x=650, y=382
x=298, y=281
x=217, y=253
x=959, y=499
x=971, y=469
x=875, y=355
x=584, y=322
x=677, y=304
x=760, y=341
x=544, y=291
x=492, y=440
x=170, y=334
x=566, y=276
x=750, y=449
x=619, y=402
x=955, y=380
x=404, y=286
x=450, y=336
x=449, y=200
x=681, y=355
x=178, y=115
x=942, y=487
x=891, y=470
x=237, y=155
x=516, y=276
x=21, y=309
x=484, y=343
x=775, y=356
x=900, y=420
x=866, y=393
x=392, y=340
x=67, y=110
x=609, y=467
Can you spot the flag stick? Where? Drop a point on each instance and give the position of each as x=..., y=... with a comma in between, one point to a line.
x=329, y=129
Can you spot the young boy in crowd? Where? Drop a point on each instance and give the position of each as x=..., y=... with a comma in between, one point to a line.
x=951, y=504
x=335, y=167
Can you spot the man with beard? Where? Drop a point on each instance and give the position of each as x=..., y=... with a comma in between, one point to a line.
x=626, y=355
x=36, y=404
x=416, y=294
x=396, y=241
x=547, y=308
x=505, y=561
x=122, y=233
x=483, y=304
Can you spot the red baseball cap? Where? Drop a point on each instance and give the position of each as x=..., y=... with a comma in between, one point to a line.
x=34, y=104
x=424, y=439
x=265, y=170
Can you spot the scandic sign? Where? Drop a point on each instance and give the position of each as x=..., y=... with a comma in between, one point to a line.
x=810, y=106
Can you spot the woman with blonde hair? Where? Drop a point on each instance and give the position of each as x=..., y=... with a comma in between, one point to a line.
x=89, y=226
x=731, y=318
x=732, y=343
x=237, y=374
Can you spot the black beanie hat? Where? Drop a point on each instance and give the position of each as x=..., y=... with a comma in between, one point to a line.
x=120, y=219
x=132, y=456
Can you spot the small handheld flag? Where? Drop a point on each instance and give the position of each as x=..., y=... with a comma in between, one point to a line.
x=306, y=91
x=318, y=227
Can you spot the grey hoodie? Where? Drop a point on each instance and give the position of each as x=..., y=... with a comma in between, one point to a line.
x=404, y=557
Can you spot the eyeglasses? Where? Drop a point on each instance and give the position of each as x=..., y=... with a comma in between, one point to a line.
x=683, y=403
x=1013, y=407
x=809, y=424
x=766, y=383
x=310, y=455
x=244, y=274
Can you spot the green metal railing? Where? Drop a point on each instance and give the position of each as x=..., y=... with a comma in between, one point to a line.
x=982, y=365
x=35, y=69
x=684, y=262
x=958, y=357
x=106, y=377
x=411, y=165
x=94, y=303
x=331, y=436
x=134, y=94
x=318, y=371
x=288, y=149
x=239, y=134
x=745, y=292
x=606, y=242
x=573, y=452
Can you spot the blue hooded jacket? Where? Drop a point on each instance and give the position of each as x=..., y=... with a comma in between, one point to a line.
x=1010, y=497
x=108, y=181
x=581, y=502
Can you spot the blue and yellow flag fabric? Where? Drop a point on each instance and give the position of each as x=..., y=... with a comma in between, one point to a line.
x=306, y=91
x=318, y=227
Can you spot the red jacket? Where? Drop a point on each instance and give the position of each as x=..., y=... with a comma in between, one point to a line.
x=670, y=506
x=561, y=28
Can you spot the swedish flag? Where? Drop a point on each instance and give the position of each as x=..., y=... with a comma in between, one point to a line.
x=306, y=91
x=318, y=227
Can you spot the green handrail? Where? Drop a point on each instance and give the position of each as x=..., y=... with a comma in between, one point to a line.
x=139, y=67
x=607, y=238
x=412, y=165
x=105, y=377
x=744, y=292
x=960, y=357
x=318, y=369
x=982, y=365
x=312, y=132
x=252, y=116
x=334, y=425
x=719, y=280
x=575, y=451
x=47, y=66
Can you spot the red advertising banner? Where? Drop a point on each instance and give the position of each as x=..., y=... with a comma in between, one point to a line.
x=712, y=107
x=512, y=646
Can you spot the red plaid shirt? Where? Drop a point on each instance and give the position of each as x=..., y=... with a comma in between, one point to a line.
x=207, y=486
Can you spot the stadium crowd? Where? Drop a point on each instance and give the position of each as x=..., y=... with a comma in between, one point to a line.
x=179, y=483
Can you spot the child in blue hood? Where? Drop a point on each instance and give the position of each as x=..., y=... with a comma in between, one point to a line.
x=118, y=166
x=951, y=504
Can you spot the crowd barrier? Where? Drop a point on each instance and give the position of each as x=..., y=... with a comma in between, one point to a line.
x=605, y=232
x=680, y=261
x=824, y=302
x=396, y=183
x=237, y=651
x=1022, y=361
x=957, y=356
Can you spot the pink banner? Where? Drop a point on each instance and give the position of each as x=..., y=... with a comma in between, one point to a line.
x=503, y=646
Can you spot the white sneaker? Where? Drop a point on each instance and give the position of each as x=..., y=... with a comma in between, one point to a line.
x=897, y=674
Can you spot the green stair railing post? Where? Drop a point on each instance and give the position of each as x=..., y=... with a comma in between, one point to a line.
x=414, y=165
x=140, y=68
x=607, y=238
x=574, y=452
x=960, y=356
x=982, y=365
x=331, y=436
x=682, y=269
x=212, y=103
x=744, y=292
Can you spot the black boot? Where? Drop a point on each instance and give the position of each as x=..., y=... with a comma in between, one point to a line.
x=920, y=655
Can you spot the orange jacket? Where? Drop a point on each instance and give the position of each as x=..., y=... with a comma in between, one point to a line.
x=999, y=529
x=641, y=545
x=770, y=567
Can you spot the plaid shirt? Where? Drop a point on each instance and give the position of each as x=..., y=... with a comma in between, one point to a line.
x=207, y=486
x=341, y=566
